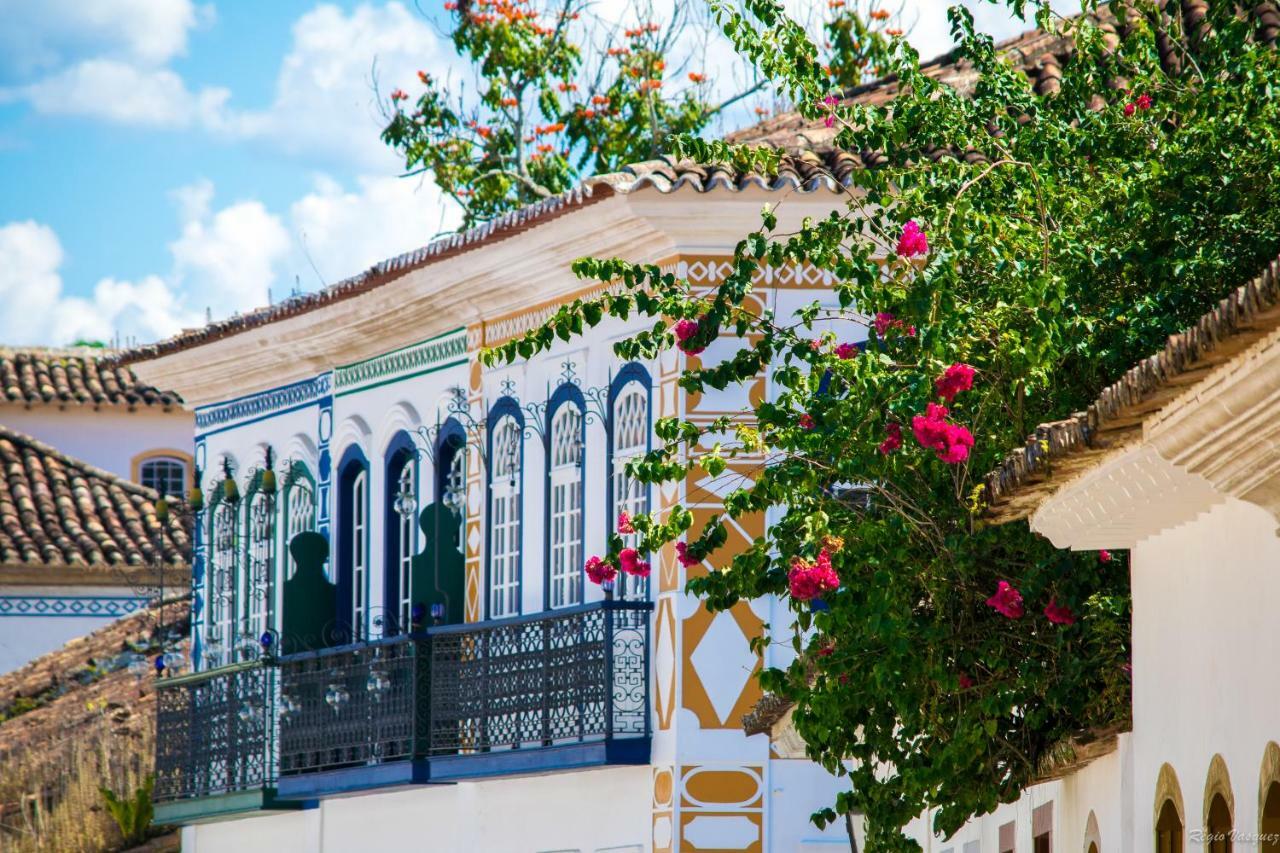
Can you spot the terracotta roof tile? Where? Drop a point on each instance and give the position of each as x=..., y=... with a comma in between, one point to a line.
x=60, y=511
x=71, y=377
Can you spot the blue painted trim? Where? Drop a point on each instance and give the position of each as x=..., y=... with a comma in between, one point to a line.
x=70, y=606
x=503, y=407
x=630, y=372
x=452, y=439
x=262, y=405
x=566, y=394
x=447, y=769
x=351, y=780
x=401, y=451
x=352, y=463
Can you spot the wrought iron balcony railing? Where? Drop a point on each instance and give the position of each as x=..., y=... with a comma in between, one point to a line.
x=216, y=732
x=452, y=702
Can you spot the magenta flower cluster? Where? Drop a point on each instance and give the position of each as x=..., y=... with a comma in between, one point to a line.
x=1008, y=603
x=809, y=580
x=913, y=241
x=950, y=441
x=685, y=331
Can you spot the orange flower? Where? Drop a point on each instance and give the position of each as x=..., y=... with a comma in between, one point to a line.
x=599, y=100
x=697, y=78
x=509, y=102
x=424, y=77
x=879, y=14
x=893, y=31
x=568, y=87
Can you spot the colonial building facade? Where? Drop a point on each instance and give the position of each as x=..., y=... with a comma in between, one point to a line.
x=391, y=629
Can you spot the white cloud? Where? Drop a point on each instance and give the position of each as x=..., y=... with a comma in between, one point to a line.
x=225, y=259
x=126, y=94
x=37, y=312
x=324, y=101
x=43, y=36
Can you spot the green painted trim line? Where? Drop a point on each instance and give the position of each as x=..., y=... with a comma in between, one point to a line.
x=222, y=807
x=206, y=674
x=396, y=363
x=394, y=379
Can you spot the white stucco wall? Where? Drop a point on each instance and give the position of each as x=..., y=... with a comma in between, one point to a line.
x=596, y=811
x=37, y=620
x=1100, y=788
x=108, y=438
x=1205, y=636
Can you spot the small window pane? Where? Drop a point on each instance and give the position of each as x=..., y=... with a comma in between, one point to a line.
x=165, y=476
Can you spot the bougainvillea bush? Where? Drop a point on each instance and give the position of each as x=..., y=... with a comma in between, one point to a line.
x=1057, y=241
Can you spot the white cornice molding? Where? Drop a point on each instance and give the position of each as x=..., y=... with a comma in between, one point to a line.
x=465, y=289
x=1131, y=496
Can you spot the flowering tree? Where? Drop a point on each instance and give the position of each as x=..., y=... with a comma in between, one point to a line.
x=940, y=658
x=562, y=94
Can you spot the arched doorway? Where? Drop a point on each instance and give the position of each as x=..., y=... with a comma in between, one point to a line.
x=1218, y=826
x=1169, y=829
x=1269, y=826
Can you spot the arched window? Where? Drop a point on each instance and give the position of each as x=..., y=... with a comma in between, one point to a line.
x=399, y=521
x=1218, y=826
x=220, y=586
x=505, y=528
x=299, y=508
x=564, y=503
x=629, y=439
x=1169, y=829
x=165, y=474
x=353, y=543
x=257, y=580
x=451, y=473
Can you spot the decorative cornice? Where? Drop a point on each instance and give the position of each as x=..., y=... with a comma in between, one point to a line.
x=441, y=351
x=263, y=403
x=103, y=606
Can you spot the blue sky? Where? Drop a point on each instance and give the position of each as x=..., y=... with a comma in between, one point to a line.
x=164, y=158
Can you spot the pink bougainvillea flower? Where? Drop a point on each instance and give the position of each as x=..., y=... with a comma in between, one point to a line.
x=810, y=580
x=950, y=442
x=958, y=377
x=685, y=330
x=847, y=351
x=893, y=438
x=1059, y=614
x=1129, y=108
x=831, y=100
x=682, y=554
x=965, y=681
x=598, y=571
x=641, y=569
x=625, y=527
x=806, y=420
x=1104, y=556
x=883, y=323
x=1143, y=102
x=829, y=121
x=399, y=95
x=815, y=345
x=1007, y=601
x=629, y=561
x=913, y=241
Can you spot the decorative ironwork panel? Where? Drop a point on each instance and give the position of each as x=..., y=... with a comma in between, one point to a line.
x=215, y=733
x=349, y=707
x=569, y=677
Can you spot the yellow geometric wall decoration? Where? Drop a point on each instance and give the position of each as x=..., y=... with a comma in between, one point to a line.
x=719, y=669
x=664, y=646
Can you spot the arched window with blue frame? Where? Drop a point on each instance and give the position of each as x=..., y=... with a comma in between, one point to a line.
x=257, y=581
x=221, y=575
x=566, y=445
x=506, y=530
x=451, y=472
x=352, y=545
x=400, y=505
x=629, y=430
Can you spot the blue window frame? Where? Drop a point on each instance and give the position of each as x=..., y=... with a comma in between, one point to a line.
x=505, y=517
x=629, y=436
x=352, y=544
x=399, y=532
x=566, y=474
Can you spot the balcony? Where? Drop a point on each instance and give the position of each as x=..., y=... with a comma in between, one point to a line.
x=215, y=749
x=535, y=694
